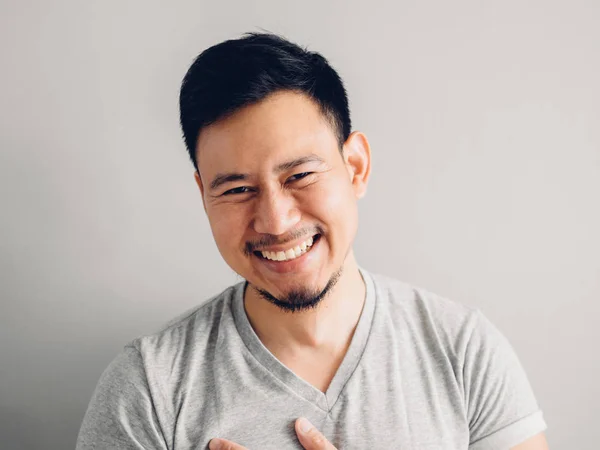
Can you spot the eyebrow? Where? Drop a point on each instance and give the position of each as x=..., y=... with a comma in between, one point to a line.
x=223, y=178
x=297, y=162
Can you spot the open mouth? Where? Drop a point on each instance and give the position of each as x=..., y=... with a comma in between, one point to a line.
x=291, y=253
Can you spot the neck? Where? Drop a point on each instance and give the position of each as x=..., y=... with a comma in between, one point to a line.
x=329, y=326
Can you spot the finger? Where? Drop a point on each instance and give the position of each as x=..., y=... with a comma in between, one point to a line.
x=224, y=444
x=310, y=437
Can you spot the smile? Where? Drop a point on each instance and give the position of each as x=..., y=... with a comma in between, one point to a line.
x=290, y=253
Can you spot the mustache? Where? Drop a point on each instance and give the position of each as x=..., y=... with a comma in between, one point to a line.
x=271, y=239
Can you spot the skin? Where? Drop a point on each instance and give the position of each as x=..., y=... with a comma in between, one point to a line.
x=272, y=175
x=276, y=207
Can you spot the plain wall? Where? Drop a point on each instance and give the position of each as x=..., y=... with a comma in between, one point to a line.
x=484, y=123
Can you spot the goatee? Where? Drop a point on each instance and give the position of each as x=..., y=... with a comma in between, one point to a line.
x=302, y=299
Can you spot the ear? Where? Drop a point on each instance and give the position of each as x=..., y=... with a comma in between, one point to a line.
x=200, y=186
x=357, y=156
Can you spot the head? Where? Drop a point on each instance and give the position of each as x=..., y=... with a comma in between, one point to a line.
x=267, y=127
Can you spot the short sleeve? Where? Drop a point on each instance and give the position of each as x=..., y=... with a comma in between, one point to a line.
x=501, y=407
x=121, y=413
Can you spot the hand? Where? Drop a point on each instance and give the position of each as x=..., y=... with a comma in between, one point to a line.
x=308, y=435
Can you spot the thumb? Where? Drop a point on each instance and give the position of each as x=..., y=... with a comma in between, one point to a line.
x=310, y=437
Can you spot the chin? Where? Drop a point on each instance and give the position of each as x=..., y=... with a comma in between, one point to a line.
x=300, y=297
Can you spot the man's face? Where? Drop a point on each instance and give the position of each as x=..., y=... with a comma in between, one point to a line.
x=279, y=195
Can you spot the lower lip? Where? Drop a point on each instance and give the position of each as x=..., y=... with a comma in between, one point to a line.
x=293, y=265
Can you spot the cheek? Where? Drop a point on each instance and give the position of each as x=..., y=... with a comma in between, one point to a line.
x=336, y=205
x=227, y=225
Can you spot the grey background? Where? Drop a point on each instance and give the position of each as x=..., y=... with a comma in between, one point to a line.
x=484, y=123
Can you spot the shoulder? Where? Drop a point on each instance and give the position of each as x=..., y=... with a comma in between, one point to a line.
x=447, y=328
x=424, y=309
x=159, y=359
x=499, y=404
x=192, y=331
x=148, y=373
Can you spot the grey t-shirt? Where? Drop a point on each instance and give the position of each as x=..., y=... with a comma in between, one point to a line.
x=421, y=372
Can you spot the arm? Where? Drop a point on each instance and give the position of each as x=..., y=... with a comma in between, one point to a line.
x=501, y=407
x=537, y=442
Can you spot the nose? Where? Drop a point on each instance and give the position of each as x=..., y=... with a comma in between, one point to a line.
x=276, y=212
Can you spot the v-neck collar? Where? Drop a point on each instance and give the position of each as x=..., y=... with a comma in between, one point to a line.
x=326, y=400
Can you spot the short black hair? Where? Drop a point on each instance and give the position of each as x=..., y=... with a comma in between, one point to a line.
x=240, y=72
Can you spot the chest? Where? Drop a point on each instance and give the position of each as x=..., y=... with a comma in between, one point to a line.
x=317, y=370
x=376, y=409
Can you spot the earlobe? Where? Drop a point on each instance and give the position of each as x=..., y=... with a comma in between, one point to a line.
x=357, y=156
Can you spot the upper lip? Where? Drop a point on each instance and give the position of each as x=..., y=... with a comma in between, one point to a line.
x=285, y=246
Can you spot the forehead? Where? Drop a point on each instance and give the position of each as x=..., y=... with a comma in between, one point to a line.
x=285, y=125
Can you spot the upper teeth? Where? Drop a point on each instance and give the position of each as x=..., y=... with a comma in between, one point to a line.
x=291, y=253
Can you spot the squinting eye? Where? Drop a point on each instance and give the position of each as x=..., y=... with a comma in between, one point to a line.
x=237, y=190
x=299, y=176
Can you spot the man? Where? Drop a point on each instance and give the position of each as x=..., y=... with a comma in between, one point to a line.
x=311, y=351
